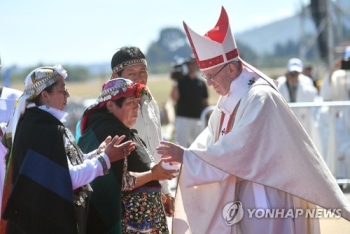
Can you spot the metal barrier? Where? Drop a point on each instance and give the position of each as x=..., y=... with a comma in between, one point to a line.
x=328, y=125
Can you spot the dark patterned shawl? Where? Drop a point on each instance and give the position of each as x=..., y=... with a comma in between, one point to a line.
x=41, y=199
x=104, y=214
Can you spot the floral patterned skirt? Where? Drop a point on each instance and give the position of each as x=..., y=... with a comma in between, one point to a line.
x=143, y=211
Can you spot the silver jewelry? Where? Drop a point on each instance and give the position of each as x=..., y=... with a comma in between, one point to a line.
x=104, y=164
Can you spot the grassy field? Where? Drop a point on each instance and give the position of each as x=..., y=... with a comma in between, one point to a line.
x=160, y=86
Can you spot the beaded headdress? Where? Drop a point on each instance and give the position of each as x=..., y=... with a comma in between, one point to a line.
x=35, y=82
x=41, y=78
x=112, y=90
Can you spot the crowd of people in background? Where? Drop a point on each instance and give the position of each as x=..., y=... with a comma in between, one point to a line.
x=114, y=175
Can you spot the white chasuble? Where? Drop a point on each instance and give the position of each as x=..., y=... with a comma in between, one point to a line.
x=266, y=146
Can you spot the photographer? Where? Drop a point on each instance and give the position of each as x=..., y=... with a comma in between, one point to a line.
x=190, y=95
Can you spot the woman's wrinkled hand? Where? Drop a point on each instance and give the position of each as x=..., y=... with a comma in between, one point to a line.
x=159, y=173
x=114, y=150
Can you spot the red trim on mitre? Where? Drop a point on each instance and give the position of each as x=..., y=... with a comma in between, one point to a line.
x=207, y=62
x=232, y=54
x=210, y=62
x=217, y=60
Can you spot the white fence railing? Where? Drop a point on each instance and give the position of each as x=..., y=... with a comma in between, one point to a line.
x=328, y=125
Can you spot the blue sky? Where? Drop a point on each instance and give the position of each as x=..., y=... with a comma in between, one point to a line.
x=82, y=32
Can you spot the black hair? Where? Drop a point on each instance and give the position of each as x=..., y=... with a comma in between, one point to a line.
x=119, y=101
x=124, y=54
x=48, y=89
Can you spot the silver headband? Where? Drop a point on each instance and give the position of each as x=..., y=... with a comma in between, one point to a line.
x=125, y=64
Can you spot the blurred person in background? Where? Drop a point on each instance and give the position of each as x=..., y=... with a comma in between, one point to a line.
x=309, y=71
x=190, y=95
x=295, y=86
x=48, y=176
x=128, y=200
x=336, y=84
x=253, y=154
x=343, y=146
x=8, y=99
x=336, y=87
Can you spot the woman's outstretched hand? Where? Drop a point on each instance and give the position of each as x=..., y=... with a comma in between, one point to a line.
x=114, y=150
x=160, y=173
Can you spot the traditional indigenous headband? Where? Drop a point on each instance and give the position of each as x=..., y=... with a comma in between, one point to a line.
x=41, y=78
x=35, y=82
x=125, y=64
x=112, y=90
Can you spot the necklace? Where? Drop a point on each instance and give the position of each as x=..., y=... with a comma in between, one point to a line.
x=140, y=141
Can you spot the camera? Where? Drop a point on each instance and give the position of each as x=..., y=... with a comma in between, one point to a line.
x=176, y=72
x=345, y=65
x=179, y=70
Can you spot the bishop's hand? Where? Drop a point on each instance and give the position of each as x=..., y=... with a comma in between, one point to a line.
x=171, y=152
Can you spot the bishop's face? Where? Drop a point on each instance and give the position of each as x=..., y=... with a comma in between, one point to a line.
x=220, y=77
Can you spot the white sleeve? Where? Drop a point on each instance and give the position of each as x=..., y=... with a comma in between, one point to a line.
x=86, y=172
x=198, y=172
x=90, y=155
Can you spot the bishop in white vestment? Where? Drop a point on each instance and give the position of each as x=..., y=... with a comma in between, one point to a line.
x=253, y=157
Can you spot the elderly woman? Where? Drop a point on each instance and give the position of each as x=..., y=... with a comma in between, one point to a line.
x=48, y=178
x=128, y=200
